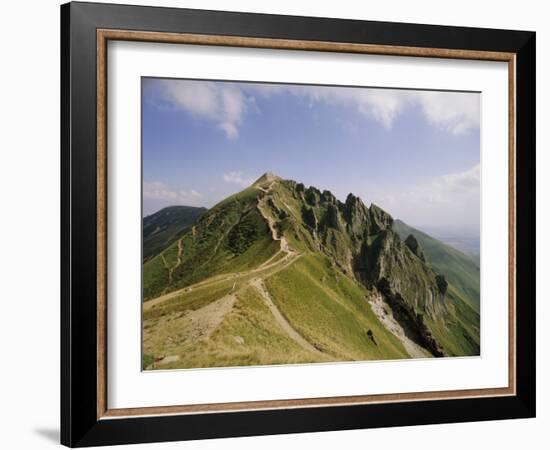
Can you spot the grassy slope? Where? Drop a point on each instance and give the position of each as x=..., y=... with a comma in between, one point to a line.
x=192, y=300
x=459, y=333
x=458, y=268
x=331, y=311
x=247, y=336
x=164, y=227
x=232, y=236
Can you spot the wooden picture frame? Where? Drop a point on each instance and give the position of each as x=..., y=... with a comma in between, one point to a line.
x=86, y=418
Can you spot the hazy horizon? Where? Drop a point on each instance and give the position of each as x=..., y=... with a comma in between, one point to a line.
x=416, y=154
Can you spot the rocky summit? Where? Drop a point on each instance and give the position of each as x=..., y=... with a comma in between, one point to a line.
x=282, y=273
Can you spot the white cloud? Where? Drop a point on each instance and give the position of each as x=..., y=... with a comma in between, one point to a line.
x=222, y=103
x=456, y=112
x=461, y=183
x=227, y=103
x=156, y=190
x=230, y=129
x=454, y=189
x=383, y=105
x=237, y=178
x=451, y=200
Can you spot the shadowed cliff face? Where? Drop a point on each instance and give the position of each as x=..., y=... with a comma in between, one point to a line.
x=361, y=241
x=407, y=274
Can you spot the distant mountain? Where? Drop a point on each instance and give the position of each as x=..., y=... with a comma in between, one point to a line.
x=282, y=273
x=166, y=226
x=465, y=240
x=460, y=269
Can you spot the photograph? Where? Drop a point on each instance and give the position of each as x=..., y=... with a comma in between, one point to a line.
x=298, y=224
x=283, y=221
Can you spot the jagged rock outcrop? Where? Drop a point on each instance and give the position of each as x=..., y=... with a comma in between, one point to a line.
x=362, y=243
x=309, y=217
x=357, y=216
x=441, y=283
x=328, y=197
x=361, y=240
x=332, y=218
x=312, y=196
x=380, y=219
x=412, y=321
x=414, y=247
x=406, y=274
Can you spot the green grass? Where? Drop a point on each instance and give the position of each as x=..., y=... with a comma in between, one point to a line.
x=322, y=304
x=164, y=227
x=458, y=268
x=192, y=300
x=256, y=254
x=459, y=332
x=230, y=237
x=247, y=336
x=331, y=311
x=155, y=277
x=245, y=196
x=147, y=360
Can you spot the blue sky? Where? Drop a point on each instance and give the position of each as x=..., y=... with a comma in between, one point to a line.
x=414, y=153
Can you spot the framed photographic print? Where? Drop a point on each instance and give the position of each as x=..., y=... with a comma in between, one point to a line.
x=277, y=224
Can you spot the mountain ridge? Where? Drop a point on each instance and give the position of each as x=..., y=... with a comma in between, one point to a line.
x=282, y=241
x=166, y=225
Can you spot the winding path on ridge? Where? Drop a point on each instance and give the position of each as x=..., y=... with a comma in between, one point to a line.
x=256, y=281
x=267, y=267
x=284, y=247
x=258, y=271
x=259, y=285
x=176, y=265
